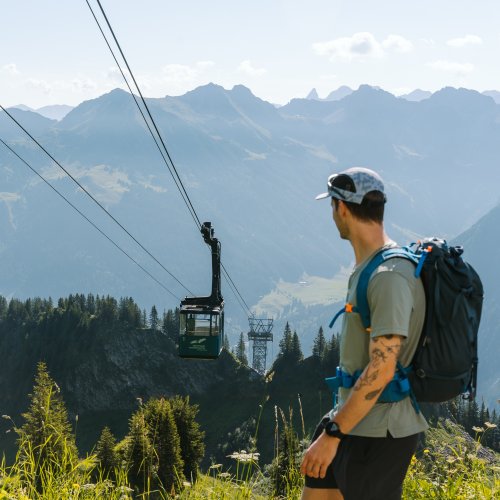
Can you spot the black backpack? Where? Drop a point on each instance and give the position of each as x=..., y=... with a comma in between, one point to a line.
x=445, y=362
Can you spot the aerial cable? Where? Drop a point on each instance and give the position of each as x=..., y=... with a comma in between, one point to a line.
x=93, y=199
x=87, y=219
x=170, y=167
x=190, y=209
x=235, y=290
x=182, y=189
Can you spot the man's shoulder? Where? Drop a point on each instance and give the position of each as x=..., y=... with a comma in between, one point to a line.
x=396, y=265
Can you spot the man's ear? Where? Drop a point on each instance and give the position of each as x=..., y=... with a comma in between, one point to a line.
x=342, y=208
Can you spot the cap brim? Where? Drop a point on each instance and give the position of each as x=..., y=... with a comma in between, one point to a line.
x=322, y=196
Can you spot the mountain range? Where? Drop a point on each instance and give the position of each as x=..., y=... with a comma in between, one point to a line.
x=253, y=170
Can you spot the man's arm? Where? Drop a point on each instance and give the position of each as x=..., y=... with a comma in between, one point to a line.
x=384, y=352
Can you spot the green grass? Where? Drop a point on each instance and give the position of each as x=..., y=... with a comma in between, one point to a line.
x=451, y=467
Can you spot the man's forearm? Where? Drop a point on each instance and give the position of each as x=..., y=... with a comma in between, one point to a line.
x=377, y=374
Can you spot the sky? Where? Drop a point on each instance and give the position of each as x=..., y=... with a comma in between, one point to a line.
x=51, y=52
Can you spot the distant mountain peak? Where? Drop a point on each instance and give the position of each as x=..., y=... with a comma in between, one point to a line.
x=313, y=95
x=417, y=95
x=340, y=93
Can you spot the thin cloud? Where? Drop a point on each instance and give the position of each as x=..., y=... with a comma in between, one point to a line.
x=248, y=68
x=397, y=43
x=9, y=197
x=182, y=73
x=459, y=69
x=11, y=69
x=466, y=40
x=361, y=45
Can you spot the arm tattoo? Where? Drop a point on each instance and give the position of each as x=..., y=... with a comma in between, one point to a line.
x=390, y=349
x=373, y=394
x=366, y=379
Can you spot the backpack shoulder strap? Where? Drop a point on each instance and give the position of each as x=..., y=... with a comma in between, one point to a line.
x=364, y=279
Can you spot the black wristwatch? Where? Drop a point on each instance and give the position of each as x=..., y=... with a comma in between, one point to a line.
x=332, y=429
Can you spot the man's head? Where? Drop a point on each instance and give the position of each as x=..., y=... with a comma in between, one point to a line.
x=361, y=190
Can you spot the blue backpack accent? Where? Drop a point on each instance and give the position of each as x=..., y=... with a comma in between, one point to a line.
x=445, y=362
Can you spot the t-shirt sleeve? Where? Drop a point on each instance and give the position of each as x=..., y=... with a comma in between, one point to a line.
x=390, y=300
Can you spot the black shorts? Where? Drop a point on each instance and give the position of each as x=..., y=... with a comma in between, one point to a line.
x=367, y=468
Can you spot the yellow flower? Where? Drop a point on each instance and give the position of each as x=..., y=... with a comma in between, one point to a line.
x=426, y=451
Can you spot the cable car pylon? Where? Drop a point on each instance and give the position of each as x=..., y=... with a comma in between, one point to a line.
x=201, y=322
x=260, y=334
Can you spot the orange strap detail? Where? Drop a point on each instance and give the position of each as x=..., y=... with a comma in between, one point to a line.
x=348, y=308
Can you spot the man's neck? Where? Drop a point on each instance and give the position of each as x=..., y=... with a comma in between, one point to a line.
x=366, y=239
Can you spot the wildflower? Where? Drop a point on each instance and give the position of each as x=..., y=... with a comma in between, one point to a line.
x=426, y=451
x=186, y=484
x=477, y=429
x=489, y=425
x=244, y=457
x=76, y=486
x=215, y=466
x=6, y=417
x=224, y=475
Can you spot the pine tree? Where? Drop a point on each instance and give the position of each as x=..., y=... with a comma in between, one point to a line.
x=240, y=351
x=332, y=355
x=105, y=453
x=191, y=437
x=225, y=344
x=170, y=325
x=319, y=345
x=140, y=453
x=296, y=352
x=47, y=435
x=286, y=342
x=164, y=437
x=153, y=319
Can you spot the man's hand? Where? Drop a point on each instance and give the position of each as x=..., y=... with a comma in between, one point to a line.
x=319, y=456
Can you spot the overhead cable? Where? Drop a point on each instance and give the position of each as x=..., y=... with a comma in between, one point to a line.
x=170, y=164
x=87, y=219
x=85, y=190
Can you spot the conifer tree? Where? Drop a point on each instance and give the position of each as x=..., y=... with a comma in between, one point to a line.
x=170, y=325
x=164, y=438
x=47, y=435
x=225, y=344
x=319, y=345
x=240, y=351
x=190, y=434
x=286, y=341
x=140, y=453
x=153, y=319
x=296, y=352
x=105, y=453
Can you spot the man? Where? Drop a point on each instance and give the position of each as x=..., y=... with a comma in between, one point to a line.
x=362, y=449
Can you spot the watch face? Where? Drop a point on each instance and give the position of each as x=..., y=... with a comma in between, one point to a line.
x=332, y=429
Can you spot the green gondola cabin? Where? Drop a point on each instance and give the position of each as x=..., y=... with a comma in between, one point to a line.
x=201, y=319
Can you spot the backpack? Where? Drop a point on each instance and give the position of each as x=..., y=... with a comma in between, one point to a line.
x=445, y=362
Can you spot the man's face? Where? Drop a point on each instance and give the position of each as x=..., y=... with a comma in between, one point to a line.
x=339, y=221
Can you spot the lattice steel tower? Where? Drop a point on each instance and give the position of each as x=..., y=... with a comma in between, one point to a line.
x=260, y=334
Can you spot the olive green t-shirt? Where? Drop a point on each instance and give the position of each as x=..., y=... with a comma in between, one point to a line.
x=397, y=306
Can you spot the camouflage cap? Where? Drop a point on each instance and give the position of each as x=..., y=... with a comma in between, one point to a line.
x=363, y=180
